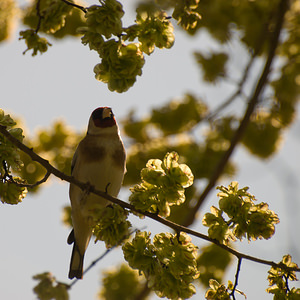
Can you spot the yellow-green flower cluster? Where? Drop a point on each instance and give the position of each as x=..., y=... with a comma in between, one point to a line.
x=111, y=226
x=163, y=184
x=169, y=263
x=120, y=65
x=278, y=280
x=51, y=15
x=153, y=28
x=34, y=41
x=246, y=219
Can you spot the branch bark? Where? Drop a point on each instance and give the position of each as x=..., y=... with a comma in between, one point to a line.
x=254, y=99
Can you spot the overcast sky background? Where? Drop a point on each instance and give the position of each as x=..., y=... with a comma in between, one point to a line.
x=60, y=84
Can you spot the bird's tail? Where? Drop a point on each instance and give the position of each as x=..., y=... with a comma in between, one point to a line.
x=76, y=264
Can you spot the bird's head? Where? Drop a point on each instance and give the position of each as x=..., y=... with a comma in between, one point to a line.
x=100, y=119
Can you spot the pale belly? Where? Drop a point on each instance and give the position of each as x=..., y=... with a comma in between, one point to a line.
x=105, y=177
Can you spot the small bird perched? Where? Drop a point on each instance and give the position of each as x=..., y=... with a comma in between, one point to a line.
x=99, y=160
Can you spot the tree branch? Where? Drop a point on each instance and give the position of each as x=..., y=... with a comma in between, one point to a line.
x=282, y=8
x=75, y=5
x=86, y=186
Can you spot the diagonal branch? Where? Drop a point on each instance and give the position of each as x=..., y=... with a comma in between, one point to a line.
x=254, y=99
x=176, y=227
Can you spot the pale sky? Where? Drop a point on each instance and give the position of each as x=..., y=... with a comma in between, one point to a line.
x=61, y=84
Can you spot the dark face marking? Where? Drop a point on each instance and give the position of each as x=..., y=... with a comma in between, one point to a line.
x=103, y=121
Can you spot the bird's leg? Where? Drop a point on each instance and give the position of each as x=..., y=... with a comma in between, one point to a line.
x=106, y=188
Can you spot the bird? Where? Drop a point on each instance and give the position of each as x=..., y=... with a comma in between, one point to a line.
x=100, y=161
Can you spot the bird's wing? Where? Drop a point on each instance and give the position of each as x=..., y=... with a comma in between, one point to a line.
x=74, y=160
x=71, y=237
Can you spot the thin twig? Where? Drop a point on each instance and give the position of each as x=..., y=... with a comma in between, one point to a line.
x=176, y=227
x=286, y=278
x=237, y=273
x=26, y=185
x=75, y=5
x=40, y=17
x=237, y=93
x=254, y=99
x=93, y=263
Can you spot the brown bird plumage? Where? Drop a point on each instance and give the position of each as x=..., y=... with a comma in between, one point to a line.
x=99, y=160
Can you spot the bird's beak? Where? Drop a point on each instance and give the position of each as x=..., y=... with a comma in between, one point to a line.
x=107, y=113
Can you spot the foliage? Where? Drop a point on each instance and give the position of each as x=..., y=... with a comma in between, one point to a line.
x=172, y=127
x=48, y=288
x=245, y=219
x=278, y=280
x=218, y=291
x=213, y=65
x=262, y=136
x=163, y=184
x=8, y=13
x=212, y=263
x=10, y=159
x=111, y=226
x=122, y=283
x=152, y=28
x=34, y=42
x=9, y=152
x=55, y=18
x=169, y=263
x=103, y=31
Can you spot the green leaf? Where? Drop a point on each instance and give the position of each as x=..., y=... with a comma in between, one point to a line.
x=263, y=135
x=212, y=263
x=48, y=288
x=34, y=42
x=121, y=283
x=213, y=65
x=179, y=116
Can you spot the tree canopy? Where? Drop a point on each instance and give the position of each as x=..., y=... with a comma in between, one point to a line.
x=181, y=150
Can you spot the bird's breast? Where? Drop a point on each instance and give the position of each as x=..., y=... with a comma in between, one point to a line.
x=102, y=165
